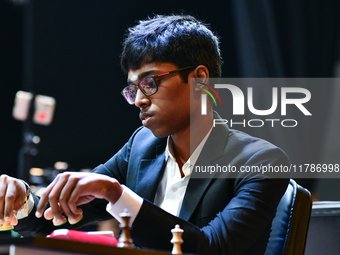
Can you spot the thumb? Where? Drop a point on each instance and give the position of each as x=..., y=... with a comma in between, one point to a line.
x=48, y=214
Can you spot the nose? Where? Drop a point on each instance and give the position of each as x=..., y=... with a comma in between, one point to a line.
x=142, y=100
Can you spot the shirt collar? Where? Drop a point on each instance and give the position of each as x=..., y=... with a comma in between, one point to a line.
x=188, y=166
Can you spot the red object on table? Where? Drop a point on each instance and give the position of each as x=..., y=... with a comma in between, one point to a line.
x=80, y=236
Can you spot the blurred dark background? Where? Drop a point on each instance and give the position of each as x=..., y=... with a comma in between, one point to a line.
x=69, y=49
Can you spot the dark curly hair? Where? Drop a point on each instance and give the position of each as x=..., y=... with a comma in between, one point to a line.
x=178, y=39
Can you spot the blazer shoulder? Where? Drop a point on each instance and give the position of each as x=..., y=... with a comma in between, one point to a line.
x=145, y=143
x=247, y=142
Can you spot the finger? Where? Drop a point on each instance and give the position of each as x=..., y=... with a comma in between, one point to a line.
x=13, y=219
x=73, y=200
x=54, y=198
x=65, y=195
x=3, y=187
x=48, y=215
x=44, y=197
x=9, y=200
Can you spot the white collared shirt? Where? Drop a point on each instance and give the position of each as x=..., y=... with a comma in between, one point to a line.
x=172, y=187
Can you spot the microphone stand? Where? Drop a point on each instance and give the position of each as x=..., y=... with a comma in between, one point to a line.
x=29, y=148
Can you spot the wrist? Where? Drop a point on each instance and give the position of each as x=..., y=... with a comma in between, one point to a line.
x=114, y=191
x=128, y=200
x=26, y=208
x=27, y=203
x=27, y=191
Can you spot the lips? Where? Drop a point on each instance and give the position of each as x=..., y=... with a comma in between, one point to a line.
x=145, y=117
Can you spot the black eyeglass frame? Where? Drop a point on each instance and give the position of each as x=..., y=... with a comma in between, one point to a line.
x=154, y=79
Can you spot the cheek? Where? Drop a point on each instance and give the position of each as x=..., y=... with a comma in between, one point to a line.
x=173, y=109
x=172, y=100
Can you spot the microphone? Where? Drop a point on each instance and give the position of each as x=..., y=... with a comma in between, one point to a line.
x=44, y=107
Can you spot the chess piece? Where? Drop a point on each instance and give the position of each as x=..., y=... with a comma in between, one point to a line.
x=6, y=226
x=177, y=240
x=78, y=218
x=125, y=240
x=58, y=223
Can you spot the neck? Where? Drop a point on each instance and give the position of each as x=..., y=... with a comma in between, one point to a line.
x=184, y=143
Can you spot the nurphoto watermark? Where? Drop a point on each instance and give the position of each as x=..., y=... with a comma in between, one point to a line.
x=265, y=118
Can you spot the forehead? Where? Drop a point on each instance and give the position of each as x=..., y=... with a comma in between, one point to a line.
x=149, y=69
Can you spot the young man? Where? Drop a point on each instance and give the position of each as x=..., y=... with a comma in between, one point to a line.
x=151, y=175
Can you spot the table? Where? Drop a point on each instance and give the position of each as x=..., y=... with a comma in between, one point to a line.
x=48, y=246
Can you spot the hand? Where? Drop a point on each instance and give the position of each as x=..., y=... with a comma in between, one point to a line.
x=12, y=197
x=71, y=189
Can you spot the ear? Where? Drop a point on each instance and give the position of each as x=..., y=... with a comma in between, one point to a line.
x=201, y=75
x=202, y=72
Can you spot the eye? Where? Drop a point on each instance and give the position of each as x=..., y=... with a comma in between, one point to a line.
x=147, y=83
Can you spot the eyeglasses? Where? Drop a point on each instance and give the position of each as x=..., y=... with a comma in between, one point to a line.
x=147, y=85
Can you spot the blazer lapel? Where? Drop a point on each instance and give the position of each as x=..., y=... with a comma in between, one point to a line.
x=212, y=150
x=149, y=175
x=195, y=190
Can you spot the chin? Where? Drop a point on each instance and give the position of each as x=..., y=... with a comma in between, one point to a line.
x=158, y=133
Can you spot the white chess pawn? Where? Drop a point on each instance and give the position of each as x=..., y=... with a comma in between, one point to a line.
x=177, y=240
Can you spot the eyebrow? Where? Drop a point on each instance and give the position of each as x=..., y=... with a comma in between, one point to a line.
x=142, y=75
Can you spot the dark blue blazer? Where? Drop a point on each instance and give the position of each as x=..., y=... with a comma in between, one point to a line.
x=219, y=215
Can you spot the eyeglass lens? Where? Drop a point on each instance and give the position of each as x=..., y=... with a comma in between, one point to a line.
x=147, y=85
x=130, y=94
